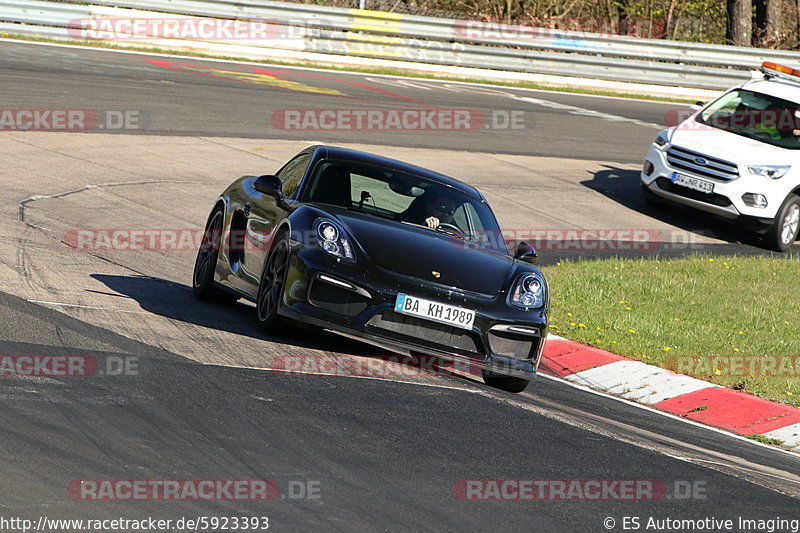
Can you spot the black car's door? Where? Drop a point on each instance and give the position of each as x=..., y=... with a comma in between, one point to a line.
x=264, y=214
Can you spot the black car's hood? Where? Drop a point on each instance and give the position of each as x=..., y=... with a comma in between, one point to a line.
x=418, y=252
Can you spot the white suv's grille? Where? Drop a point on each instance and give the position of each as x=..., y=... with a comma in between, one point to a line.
x=701, y=164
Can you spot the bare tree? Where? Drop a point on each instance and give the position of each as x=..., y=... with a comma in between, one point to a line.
x=622, y=15
x=798, y=20
x=740, y=22
x=768, y=19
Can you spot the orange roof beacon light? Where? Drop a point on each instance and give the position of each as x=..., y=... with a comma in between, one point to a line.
x=771, y=69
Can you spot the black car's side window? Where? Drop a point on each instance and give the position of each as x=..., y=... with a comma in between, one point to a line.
x=292, y=174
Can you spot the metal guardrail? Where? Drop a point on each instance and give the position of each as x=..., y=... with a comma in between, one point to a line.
x=358, y=33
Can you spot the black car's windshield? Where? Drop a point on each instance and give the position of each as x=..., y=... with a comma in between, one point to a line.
x=408, y=198
x=757, y=116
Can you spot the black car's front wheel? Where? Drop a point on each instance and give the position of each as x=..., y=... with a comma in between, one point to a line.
x=206, y=262
x=506, y=383
x=273, y=279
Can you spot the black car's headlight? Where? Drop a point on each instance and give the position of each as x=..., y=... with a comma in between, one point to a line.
x=332, y=239
x=528, y=291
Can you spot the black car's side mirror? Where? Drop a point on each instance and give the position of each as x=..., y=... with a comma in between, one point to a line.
x=269, y=184
x=526, y=252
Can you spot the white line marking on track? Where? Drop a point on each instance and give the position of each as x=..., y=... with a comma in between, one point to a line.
x=574, y=110
x=62, y=304
x=24, y=203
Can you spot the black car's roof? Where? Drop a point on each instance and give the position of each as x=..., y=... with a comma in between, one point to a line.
x=345, y=154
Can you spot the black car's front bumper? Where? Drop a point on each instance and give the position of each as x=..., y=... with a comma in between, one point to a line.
x=358, y=301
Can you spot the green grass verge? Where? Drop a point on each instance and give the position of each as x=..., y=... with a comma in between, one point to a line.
x=765, y=440
x=734, y=321
x=361, y=70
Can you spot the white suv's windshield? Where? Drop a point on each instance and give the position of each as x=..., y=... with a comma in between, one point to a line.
x=755, y=115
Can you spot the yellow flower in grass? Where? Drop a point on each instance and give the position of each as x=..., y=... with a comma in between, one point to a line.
x=717, y=372
x=666, y=348
x=736, y=349
x=631, y=331
x=740, y=332
x=710, y=259
x=581, y=325
x=628, y=308
x=788, y=393
x=572, y=323
x=569, y=314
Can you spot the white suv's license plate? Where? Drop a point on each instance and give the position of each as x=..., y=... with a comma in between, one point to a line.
x=435, y=311
x=693, y=183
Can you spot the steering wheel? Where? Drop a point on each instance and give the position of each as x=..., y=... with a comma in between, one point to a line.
x=451, y=229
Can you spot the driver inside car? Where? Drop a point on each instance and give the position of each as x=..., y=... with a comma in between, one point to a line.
x=440, y=210
x=431, y=210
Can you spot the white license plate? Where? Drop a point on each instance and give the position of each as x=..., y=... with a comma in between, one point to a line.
x=435, y=311
x=693, y=183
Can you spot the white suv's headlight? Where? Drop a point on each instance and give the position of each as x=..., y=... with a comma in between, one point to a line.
x=528, y=291
x=769, y=171
x=333, y=240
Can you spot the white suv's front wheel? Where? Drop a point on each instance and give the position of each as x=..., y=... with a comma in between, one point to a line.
x=783, y=231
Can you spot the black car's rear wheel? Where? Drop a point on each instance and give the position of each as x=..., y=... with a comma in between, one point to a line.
x=206, y=262
x=506, y=383
x=273, y=279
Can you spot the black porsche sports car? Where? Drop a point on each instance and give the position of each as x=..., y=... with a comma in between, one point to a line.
x=381, y=250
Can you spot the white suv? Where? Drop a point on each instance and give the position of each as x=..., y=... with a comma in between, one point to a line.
x=737, y=157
